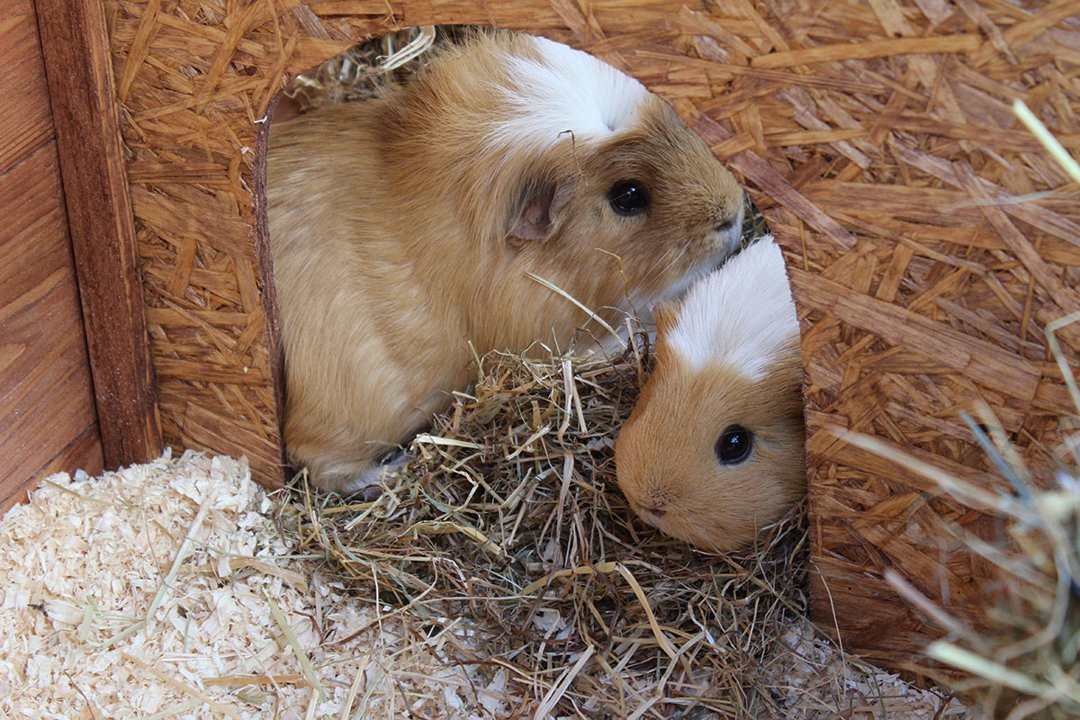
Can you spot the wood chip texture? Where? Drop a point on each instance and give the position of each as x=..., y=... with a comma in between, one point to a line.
x=929, y=238
x=165, y=590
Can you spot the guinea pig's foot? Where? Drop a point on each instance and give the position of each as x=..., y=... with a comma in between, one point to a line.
x=367, y=486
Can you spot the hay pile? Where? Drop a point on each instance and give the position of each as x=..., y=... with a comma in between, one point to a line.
x=509, y=522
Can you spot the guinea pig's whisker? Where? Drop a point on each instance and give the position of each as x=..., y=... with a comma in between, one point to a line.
x=673, y=261
x=662, y=266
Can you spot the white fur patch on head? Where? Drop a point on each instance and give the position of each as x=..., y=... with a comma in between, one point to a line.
x=740, y=315
x=566, y=90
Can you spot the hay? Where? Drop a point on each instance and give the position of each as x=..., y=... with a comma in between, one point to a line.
x=509, y=520
x=1023, y=658
x=359, y=73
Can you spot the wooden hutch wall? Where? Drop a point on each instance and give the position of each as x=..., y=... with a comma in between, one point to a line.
x=870, y=134
x=48, y=420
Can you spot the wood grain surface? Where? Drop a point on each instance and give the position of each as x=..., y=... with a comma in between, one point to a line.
x=75, y=43
x=48, y=420
x=26, y=122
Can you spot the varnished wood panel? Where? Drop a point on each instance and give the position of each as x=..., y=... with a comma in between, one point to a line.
x=84, y=452
x=76, y=51
x=25, y=120
x=48, y=419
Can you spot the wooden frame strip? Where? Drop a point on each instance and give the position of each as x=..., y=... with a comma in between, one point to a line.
x=78, y=67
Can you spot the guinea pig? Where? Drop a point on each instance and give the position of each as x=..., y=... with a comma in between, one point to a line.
x=714, y=447
x=407, y=233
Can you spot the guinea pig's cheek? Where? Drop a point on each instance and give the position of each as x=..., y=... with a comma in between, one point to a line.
x=731, y=232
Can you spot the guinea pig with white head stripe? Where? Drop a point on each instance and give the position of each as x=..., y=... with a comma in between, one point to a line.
x=714, y=447
x=406, y=228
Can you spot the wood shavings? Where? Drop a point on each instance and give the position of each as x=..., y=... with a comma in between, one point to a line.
x=812, y=668
x=186, y=545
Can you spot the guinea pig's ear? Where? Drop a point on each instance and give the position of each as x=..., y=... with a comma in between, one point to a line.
x=665, y=315
x=537, y=211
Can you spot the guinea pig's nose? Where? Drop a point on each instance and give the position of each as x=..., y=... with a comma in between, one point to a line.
x=657, y=511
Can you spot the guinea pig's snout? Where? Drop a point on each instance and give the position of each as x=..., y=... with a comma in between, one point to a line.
x=656, y=511
x=726, y=226
x=651, y=508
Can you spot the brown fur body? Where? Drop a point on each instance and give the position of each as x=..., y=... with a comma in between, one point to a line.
x=400, y=235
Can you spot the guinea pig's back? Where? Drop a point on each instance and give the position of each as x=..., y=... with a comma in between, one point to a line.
x=326, y=211
x=357, y=334
x=322, y=174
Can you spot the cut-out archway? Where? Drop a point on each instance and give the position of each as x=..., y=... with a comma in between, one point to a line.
x=871, y=136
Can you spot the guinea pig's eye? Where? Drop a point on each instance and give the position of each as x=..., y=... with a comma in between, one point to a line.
x=628, y=197
x=734, y=445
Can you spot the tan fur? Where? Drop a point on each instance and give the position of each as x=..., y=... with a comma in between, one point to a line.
x=665, y=315
x=391, y=226
x=665, y=460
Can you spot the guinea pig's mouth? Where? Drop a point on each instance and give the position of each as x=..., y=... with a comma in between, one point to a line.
x=729, y=235
x=652, y=515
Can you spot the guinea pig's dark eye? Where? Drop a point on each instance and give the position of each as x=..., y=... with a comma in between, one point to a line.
x=628, y=197
x=734, y=445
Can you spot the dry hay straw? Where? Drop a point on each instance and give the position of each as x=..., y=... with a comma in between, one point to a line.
x=360, y=73
x=509, y=516
x=508, y=527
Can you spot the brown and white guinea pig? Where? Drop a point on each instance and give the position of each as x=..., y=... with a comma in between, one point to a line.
x=404, y=228
x=713, y=449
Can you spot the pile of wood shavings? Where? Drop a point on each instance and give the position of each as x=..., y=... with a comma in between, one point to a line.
x=164, y=590
x=821, y=681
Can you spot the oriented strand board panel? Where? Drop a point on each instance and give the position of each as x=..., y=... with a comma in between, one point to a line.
x=873, y=136
x=48, y=420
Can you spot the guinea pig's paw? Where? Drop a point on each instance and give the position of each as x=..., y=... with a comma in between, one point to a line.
x=367, y=485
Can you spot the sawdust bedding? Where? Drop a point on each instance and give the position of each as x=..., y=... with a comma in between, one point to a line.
x=166, y=590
